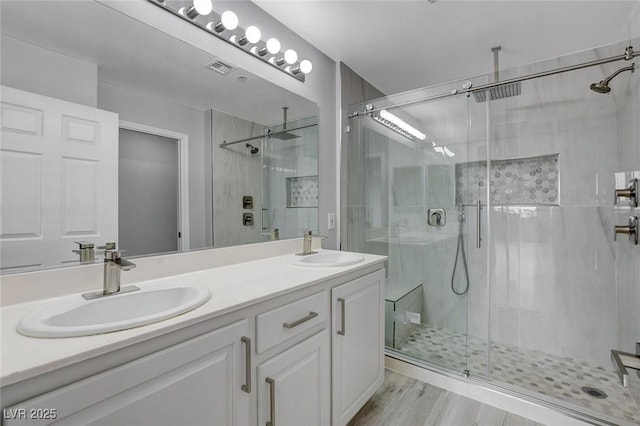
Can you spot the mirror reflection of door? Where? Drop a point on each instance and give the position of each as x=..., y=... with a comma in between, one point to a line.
x=148, y=178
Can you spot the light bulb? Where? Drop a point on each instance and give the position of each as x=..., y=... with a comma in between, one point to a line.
x=199, y=7
x=229, y=20
x=273, y=46
x=306, y=66
x=252, y=34
x=203, y=7
x=290, y=56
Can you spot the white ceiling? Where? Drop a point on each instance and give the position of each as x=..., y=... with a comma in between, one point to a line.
x=399, y=45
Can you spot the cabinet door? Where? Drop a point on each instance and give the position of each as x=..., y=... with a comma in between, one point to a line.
x=197, y=382
x=293, y=387
x=357, y=344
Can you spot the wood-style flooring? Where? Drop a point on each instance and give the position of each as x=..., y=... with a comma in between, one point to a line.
x=404, y=401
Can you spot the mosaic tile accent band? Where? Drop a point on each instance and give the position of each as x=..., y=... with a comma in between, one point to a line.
x=521, y=181
x=302, y=191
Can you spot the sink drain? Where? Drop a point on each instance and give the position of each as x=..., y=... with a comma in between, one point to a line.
x=594, y=392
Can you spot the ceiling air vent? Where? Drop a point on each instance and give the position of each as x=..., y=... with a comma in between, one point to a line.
x=220, y=67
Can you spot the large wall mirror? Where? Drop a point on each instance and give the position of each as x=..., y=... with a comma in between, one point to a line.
x=112, y=133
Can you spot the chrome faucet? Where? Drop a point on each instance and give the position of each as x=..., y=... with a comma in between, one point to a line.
x=272, y=233
x=307, y=238
x=113, y=264
x=85, y=250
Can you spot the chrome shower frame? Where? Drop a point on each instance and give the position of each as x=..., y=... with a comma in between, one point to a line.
x=628, y=55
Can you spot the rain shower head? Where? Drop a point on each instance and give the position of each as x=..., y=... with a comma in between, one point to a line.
x=501, y=91
x=252, y=149
x=283, y=134
x=603, y=86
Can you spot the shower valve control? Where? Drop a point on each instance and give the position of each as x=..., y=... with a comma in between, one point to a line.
x=631, y=230
x=247, y=202
x=436, y=217
x=247, y=219
x=630, y=192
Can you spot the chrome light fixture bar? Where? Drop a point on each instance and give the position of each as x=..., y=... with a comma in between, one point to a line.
x=226, y=28
x=398, y=125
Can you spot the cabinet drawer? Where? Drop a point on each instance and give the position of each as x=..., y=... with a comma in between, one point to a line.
x=280, y=324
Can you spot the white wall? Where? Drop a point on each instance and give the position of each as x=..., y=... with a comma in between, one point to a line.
x=147, y=109
x=320, y=86
x=31, y=68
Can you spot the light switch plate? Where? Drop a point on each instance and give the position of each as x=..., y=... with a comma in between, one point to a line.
x=331, y=221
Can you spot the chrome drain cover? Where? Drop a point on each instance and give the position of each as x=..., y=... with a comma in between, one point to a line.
x=594, y=392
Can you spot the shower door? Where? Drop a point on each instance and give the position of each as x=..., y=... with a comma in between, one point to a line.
x=414, y=198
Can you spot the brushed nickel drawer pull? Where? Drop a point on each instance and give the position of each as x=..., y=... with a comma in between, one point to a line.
x=311, y=316
x=342, y=316
x=272, y=402
x=247, y=367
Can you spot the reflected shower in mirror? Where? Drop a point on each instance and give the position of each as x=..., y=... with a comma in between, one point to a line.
x=111, y=132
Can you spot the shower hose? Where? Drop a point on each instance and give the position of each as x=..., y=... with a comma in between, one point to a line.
x=460, y=249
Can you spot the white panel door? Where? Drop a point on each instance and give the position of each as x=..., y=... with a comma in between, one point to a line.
x=59, y=179
x=194, y=383
x=357, y=344
x=293, y=387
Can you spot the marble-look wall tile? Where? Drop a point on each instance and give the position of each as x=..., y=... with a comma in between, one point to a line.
x=236, y=173
x=632, y=28
x=290, y=186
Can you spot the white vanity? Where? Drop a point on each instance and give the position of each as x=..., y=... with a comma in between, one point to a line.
x=276, y=344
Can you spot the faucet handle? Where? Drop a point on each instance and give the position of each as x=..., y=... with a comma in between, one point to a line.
x=631, y=230
x=309, y=234
x=84, y=244
x=274, y=233
x=107, y=246
x=112, y=254
x=630, y=192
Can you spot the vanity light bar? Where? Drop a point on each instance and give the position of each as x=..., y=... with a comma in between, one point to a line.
x=226, y=28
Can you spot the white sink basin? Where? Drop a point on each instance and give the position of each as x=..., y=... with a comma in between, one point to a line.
x=72, y=316
x=327, y=258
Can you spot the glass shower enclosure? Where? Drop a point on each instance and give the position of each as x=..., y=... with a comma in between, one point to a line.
x=496, y=213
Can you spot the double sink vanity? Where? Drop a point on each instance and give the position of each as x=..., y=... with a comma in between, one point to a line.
x=282, y=340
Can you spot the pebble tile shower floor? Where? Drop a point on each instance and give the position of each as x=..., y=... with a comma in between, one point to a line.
x=551, y=375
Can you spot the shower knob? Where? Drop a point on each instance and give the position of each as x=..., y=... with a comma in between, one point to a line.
x=436, y=217
x=631, y=230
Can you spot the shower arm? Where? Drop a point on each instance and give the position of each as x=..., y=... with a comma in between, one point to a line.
x=627, y=56
x=621, y=70
x=266, y=135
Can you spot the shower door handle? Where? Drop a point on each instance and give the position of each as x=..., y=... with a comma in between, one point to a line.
x=479, y=213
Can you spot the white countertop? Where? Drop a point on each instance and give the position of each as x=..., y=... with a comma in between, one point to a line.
x=232, y=287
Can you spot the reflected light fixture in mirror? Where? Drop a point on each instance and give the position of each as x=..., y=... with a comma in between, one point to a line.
x=248, y=39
